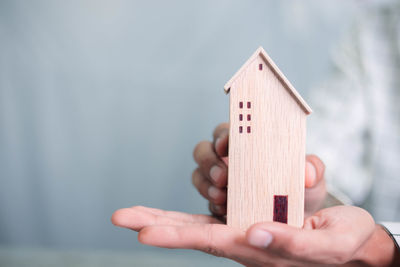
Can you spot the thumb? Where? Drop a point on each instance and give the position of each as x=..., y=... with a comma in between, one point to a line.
x=285, y=240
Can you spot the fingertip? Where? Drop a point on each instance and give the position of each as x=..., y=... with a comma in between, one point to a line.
x=318, y=163
x=258, y=237
x=311, y=175
x=118, y=218
x=217, y=210
x=143, y=236
x=198, y=151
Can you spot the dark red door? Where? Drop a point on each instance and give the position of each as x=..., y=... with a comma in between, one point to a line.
x=280, y=208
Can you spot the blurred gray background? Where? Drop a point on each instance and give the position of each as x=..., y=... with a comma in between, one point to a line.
x=102, y=102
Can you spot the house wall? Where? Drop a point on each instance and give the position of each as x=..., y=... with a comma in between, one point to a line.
x=270, y=159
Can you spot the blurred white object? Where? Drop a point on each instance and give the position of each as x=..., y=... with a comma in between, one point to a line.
x=355, y=128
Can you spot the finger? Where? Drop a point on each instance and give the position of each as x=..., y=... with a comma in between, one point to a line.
x=207, y=190
x=186, y=217
x=313, y=244
x=138, y=217
x=286, y=241
x=210, y=165
x=315, y=169
x=221, y=136
x=217, y=210
x=216, y=239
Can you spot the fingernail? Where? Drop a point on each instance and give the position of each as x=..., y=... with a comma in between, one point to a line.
x=259, y=238
x=213, y=192
x=215, y=173
x=217, y=208
x=311, y=174
x=217, y=142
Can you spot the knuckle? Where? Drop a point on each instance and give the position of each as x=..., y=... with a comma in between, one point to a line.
x=200, y=183
x=198, y=148
x=202, y=153
x=220, y=128
x=197, y=178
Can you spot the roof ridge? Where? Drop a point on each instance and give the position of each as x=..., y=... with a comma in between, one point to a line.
x=281, y=77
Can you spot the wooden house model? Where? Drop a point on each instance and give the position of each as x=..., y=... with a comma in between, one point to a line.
x=266, y=146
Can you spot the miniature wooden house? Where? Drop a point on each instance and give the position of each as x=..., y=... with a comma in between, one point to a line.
x=266, y=146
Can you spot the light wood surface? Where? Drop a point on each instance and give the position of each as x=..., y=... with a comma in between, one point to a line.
x=270, y=159
x=260, y=52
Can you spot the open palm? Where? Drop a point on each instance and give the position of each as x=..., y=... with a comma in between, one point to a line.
x=331, y=236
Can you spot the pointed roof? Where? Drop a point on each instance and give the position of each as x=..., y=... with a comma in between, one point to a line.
x=285, y=82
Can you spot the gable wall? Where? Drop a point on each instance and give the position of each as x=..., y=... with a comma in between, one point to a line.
x=270, y=160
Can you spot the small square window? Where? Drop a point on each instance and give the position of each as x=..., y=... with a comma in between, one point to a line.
x=248, y=129
x=240, y=129
x=260, y=66
x=240, y=104
x=249, y=117
x=240, y=117
x=248, y=104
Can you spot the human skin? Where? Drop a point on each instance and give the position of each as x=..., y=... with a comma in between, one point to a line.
x=210, y=177
x=341, y=235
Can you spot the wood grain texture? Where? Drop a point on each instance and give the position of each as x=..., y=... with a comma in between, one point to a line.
x=269, y=159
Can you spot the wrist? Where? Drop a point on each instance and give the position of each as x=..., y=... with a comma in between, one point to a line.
x=378, y=250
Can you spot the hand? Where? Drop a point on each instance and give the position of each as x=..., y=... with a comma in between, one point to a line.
x=210, y=178
x=333, y=236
